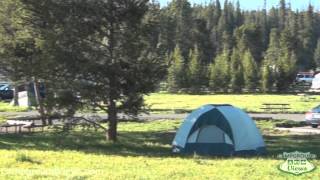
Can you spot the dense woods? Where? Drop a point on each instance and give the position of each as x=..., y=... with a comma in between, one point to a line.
x=228, y=48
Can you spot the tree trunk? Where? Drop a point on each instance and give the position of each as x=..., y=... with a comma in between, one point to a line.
x=50, y=121
x=16, y=96
x=39, y=101
x=113, y=121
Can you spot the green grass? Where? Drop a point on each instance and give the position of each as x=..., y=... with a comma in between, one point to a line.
x=163, y=102
x=143, y=152
x=2, y=119
x=6, y=107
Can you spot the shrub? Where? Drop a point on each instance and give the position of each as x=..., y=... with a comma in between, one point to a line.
x=290, y=124
x=23, y=157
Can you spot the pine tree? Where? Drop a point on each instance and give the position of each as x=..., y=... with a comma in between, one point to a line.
x=273, y=52
x=176, y=76
x=168, y=59
x=317, y=55
x=217, y=13
x=249, y=37
x=264, y=25
x=308, y=39
x=250, y=71
x=270, y=61
x=181, y=12
x=195, y=70
x=236, y=71
x=273, y=18
x=102, y=49
x=287, y=40
x=219, y=73
x=286, y=70
x=227, y=41
x=282, y=14
x=238, y=18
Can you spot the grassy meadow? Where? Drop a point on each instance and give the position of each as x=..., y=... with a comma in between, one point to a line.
x=6, y=107
x=175, y=103
x=164, y=102
x=143, y=152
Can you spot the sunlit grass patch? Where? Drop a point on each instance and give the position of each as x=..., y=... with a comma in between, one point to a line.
x=6, y=107
x=143, y=152
x=24, y=157
x=164, y=102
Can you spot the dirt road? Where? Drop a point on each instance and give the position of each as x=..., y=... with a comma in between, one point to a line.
x=294, y=117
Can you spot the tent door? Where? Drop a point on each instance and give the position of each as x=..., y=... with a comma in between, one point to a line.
x=209, y=134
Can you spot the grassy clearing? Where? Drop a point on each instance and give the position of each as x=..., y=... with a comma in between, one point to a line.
x=251, y=103
x=3, y=119
x=143, y=152
x=6, y=107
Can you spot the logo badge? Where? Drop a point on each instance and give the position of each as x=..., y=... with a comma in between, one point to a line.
x=296, y=162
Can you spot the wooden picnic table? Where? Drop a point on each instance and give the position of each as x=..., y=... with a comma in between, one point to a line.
x=268, y=107
x=17, y=126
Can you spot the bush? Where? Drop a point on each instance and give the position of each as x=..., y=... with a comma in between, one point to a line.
x=23, y=157
x=290, y=124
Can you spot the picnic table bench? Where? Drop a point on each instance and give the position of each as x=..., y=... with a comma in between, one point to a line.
x=18, y=125
x=269, y=107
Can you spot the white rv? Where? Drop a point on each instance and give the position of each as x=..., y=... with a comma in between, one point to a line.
x=315, y=87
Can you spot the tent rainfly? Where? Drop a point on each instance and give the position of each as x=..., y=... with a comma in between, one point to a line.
x=219, y=130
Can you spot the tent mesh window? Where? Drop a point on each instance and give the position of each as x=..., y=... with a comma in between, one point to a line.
x=209, y=134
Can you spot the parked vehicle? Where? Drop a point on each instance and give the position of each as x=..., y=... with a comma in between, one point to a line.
x=304, y=77
x=6, y=91
x=313, y=117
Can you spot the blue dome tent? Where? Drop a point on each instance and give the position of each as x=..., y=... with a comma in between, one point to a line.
x=218, y=130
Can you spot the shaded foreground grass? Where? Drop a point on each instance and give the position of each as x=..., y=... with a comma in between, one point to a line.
x=143, y=152
x=163, y=102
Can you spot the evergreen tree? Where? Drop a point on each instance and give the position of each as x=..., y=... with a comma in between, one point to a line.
x=176, y=72
x=249, y=37
x=181, y=11
x=270, y=61
x=219, y=72
x=274, y=18
x=317, y=55
x=101, y=49
x=238, y=18
x=250, y=71
x=195, y=70
x=282, y=14
x=227, y=41
x=23, y=53
x=218, y=11
x=273, y=52
x=200, y=37
x=308, y=40
x=236, y=71
x=286, y=70
x=287, y=40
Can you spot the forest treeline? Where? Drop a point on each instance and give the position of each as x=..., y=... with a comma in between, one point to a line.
x=223, y=47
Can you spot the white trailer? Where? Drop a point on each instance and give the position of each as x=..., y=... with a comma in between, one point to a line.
x=315, y=87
